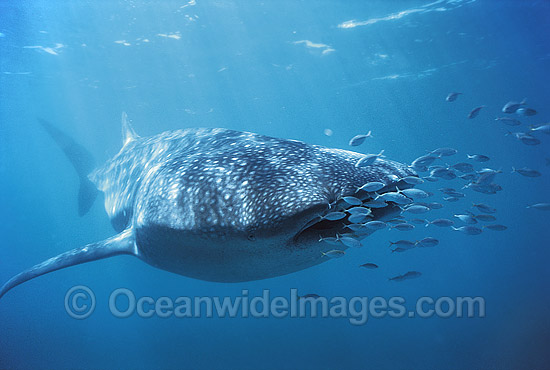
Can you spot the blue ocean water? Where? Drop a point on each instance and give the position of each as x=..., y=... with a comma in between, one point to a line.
x=319, y=72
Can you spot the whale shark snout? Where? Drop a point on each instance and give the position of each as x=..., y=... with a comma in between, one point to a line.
x=227, y=206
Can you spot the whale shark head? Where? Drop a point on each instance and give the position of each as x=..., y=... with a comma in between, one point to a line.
x=223, y=205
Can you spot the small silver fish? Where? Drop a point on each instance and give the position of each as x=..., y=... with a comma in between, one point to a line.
x=435, y=205
x=418, y=221
x=368, y=159
x=474, y=113
x=444, y=173
x=407, y=244
x=468, y=230
x=526, y=112
x=395, y=197
x=524, y=138
x=469, y=219
x=479, y=157
x=335, y=253
x=418, y=168
x=375, y=225
x=452, y=96
x=456, y=194
x=469, y=177
x=399, y=250
x=508, y=121
x=406, y=276
x=397, y=220
x=495, y=227
x=485, y=218
x=371, y=187
x=540, y=206
x=487, y=176
x=330, y=240
x=444, y=152
x=416, y=209
x=413, y=180
x=529, y=140
x=420, y=204
x=484, y=189
x=359, y=210
x=542, y=128
x=402, y=226
x=375, y=204
x=370, y=266
x=463, y=167
x=358, y=218
x=412, y=274
x=349, y=241
x=527, y=172
x=359, y=139
x=334, y=216
x=451, y=199
x=428, y=242
x=447, y=190
x=352, y=201
x=441, y=222
x=414, y=193
x=484, y=208
x=512, y=106
x=423, y=161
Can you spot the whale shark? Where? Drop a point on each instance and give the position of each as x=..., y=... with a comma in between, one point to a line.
x=219, y=205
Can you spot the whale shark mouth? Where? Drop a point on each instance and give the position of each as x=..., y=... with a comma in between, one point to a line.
x=325, y=228
x=319, y=228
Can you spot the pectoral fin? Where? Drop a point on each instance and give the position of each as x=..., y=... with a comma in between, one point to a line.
x=123, y=243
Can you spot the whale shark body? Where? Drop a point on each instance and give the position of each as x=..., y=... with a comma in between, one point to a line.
x=219, y=205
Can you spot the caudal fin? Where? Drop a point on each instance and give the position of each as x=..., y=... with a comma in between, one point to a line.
x=82, y=161
x=122, y=243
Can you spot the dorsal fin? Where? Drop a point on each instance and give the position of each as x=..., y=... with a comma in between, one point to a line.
x=128, y=133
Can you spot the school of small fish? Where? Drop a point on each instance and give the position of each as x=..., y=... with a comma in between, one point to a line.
x=471, y=172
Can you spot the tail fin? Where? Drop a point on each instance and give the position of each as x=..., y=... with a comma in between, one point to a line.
x=82, y=161
x=122, y=243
